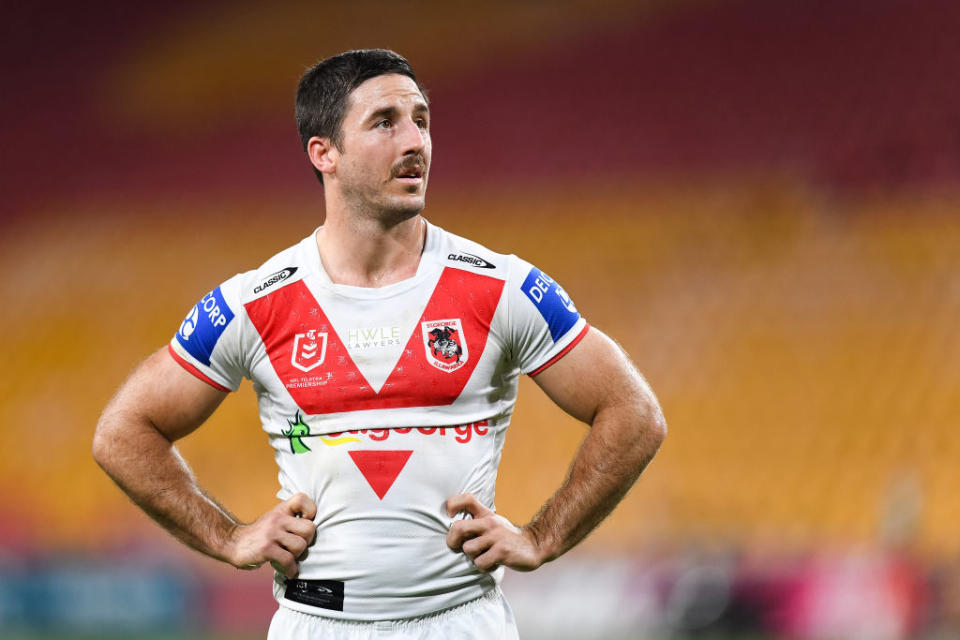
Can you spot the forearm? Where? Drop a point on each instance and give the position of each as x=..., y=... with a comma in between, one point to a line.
x=622, y=441
x=150, y=470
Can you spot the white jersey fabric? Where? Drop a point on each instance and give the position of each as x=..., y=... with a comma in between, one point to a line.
x=381, y=403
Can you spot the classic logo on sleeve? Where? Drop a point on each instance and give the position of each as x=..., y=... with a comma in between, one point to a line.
x=274, y=278
x=471, y=259
x=444, y=343
x=204, y=325
x=551, y=301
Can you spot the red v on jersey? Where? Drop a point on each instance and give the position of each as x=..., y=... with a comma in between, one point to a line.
x=336, y=384
x=380, y=468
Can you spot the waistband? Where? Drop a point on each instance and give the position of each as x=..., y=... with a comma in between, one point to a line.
x=493, y=596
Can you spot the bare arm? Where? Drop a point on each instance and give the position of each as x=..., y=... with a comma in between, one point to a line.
x=157, y=405
x=597, y=384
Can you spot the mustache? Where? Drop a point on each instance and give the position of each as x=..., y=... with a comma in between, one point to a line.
x=410, y=163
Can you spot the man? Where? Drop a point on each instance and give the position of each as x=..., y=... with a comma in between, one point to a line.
x=385, y=354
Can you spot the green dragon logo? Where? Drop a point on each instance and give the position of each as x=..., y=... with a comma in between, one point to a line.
x=298, y=429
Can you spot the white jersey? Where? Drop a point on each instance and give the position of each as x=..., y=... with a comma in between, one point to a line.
x=381, y=403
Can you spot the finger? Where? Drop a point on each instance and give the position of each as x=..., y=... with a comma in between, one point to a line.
x=281, y=569
x=463, y=530
x=292, y=543
x=301, y=505
x=282, y=560
x=466, y=502
x=301, y=527
x=489, y=561
x=476, y=546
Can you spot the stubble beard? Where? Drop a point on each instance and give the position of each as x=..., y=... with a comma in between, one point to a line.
x=368, y=201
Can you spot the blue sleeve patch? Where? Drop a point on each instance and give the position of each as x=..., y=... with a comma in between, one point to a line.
x=552, y=302
x=204, y=325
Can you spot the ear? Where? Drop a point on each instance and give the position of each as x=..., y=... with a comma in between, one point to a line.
x=323, y=154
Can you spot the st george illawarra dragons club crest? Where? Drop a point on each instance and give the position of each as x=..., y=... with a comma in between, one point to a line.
x=445, y=344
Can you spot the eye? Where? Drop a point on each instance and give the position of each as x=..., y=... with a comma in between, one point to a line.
x=421, y=122
x=384, y=124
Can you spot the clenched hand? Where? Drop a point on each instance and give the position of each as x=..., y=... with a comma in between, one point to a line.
x=280, y=536
x=491, y=540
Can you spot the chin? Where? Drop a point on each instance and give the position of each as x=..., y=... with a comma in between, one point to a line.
x=401, y=209
x=411, y=206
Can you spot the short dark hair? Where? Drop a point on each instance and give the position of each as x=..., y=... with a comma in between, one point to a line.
x=324, y=88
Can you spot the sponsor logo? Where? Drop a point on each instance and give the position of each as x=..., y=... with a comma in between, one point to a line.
x=565, y=299
x=370, y=337
x=309, y=350
x=203, y=326
x=462, y=433
x=379, y=467
x=472, y=260
x=190, y=323
x=297, y=431
x=274, y=278
x=553, y=303
x=445, y=344
x=336, y=439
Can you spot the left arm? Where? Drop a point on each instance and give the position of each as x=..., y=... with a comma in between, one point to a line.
x=597, y=384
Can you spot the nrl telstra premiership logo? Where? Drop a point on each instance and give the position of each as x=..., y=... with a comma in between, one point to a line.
x=309, y=350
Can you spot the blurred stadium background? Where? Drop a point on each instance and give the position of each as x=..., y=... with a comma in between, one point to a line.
x=758, y=199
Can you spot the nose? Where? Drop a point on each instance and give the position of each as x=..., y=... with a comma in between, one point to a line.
x=413, y=138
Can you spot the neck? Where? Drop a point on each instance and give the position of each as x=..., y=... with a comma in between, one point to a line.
x=367, y=252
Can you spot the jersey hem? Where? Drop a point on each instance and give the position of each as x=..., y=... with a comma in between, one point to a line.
x=431, y=616
x=194, y=371
x=565, y=351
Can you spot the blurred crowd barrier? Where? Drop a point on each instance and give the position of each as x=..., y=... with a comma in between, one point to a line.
x=732, y=594
x=677, y=593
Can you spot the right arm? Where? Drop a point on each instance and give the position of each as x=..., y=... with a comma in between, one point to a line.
x=158, y=404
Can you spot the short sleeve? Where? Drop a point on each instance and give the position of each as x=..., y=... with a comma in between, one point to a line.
x=208, y=343
x=544, y=322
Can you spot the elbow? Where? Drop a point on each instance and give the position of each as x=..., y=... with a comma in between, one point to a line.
x=658, y=426
x=654, y=428
x=99, y=449
x=102, y=443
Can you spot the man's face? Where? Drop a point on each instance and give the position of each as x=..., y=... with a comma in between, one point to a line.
x=385, y=158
